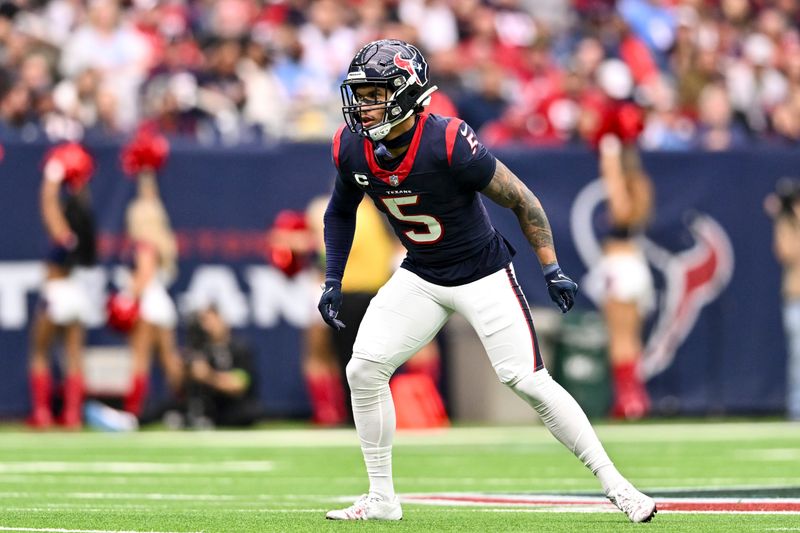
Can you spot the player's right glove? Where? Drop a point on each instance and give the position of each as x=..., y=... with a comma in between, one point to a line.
x=330, y=302
x=561, y=288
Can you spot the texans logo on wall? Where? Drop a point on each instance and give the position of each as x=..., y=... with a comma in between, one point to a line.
x=692, y=277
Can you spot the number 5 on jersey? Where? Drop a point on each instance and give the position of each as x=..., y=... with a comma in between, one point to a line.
x=435, y=230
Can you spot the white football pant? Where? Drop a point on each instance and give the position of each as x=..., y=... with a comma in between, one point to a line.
x=407, y=313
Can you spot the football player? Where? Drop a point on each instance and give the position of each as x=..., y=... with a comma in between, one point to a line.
x=64, y=310
x=424, y=172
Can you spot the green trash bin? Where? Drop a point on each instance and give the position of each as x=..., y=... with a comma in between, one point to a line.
x=581, y=361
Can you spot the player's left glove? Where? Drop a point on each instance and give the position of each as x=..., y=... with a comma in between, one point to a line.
x=330, y=302
x=561, y=288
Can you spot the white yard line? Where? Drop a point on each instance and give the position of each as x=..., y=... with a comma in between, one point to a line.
x=770, y=454
x=534, y=434
x=132, y=467
x=125, y=496
x=60, y=530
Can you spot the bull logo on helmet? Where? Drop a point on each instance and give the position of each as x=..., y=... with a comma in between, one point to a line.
x=411, y=66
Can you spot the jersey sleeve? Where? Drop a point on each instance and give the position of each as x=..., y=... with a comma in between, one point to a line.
x=340, y=226
x=336, y=147
x=468, y=159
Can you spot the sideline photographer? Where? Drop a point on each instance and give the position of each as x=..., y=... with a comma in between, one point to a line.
x=220, y=388
x=783, y=206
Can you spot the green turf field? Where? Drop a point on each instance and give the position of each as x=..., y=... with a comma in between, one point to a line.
x=285, y=479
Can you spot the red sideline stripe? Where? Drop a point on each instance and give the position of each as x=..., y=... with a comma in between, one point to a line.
x=742, y=507
x=450, y=137
x=505, y=500
x=337, y=138
x=708, y=505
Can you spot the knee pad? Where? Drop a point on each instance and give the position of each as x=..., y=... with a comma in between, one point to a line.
x=511, y=363
x=535, y=386
x=365, y=374
x=508, y=375
x=514, y=367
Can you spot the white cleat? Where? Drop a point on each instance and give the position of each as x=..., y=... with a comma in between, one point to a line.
x=369, y=507
x=639, y=507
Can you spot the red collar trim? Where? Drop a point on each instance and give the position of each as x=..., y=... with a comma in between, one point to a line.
x=404, y=169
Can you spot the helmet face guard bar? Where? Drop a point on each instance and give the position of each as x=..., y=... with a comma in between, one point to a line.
x=406, y=97
x=353, y=108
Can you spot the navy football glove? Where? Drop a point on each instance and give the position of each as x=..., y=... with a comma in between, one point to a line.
x=562, y=289
x=330, y=302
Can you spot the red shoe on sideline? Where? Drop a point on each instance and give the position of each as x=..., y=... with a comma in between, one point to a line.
x=71, y=417
x=41, y=389
x=40, y=419
x=631, y=401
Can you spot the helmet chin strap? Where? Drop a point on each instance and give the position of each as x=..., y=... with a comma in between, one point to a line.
x=378, y=132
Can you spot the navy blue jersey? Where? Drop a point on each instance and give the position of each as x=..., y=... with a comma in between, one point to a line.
x=431, y=200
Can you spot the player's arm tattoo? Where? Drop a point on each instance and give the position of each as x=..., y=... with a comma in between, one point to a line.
x=507, y=190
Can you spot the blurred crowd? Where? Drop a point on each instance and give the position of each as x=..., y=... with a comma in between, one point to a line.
x=709, y=74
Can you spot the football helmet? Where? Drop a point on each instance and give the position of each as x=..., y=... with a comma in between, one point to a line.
x=401, y=70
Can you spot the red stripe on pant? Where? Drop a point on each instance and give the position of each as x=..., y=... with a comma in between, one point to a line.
x=538, y=362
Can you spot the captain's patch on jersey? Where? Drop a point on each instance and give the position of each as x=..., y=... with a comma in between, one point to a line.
x=361, y=179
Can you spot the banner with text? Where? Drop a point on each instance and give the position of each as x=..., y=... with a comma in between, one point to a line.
x=714, y=341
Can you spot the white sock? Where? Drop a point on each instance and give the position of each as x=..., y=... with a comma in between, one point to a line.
x=568, y=423
x=373, y=412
